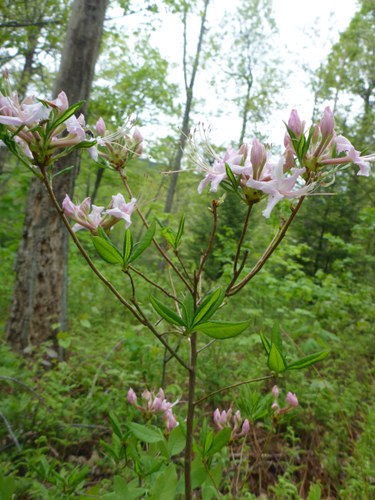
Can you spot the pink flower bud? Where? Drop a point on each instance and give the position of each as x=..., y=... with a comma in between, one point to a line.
x=275, y=391
x=258, y=155
x=295, y=124
x=62, y=101
x=161, y=394
x=245, y=427
x=292, y=400
x=137, y=136
x=100, y=127
x=170, y=420
x=327, y=123
x=157, y=404
x=146, y=396
x=132, y=397
x=275, y=407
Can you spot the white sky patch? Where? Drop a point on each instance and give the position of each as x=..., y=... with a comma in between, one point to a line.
x=307, y=30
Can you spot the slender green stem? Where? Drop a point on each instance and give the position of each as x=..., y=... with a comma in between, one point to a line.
x=232, y=386
x=268, y=252
x=190, y=417
x=210, y=242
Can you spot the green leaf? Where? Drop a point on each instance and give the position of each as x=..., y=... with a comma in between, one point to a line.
x=124, y=490
x=127, y=247
x=308, y=360
x=169, y=235
x=8, y=487
x=115, y=425
x=276, y=360
x=188, y=310
x=165, y=485
x=67, y=114
x=107, y=251
x=180, y=231
x=145, y=242
x=176, y=441
x=266, y=343
x=276, y=337
x=168, y=314
x=222, y=329
x=209, y=305
x=220, y=440
x=231, y=177
x=144, y=433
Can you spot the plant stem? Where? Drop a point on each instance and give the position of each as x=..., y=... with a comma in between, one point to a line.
x=237, y=384
x=190, y=417
x=268, y=252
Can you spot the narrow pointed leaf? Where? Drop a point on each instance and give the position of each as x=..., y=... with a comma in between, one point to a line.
x=145, y=242
x=231, y=177
x=266, y=343
x=107, y=251
x=128, y=246
x=67, y=114
x=169, y=235
x=276, y=361
x=188, y=310
x=308, y=360
x=209, y=305
x=222, y=329
x=276, y=337
x=168, y=314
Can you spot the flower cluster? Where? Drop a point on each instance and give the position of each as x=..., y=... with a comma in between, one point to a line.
x=90, y=217
x=291, y=401
x=227, y=419
x=153, y=404
x=44, y=129
x=116, y=148
x=307, y=159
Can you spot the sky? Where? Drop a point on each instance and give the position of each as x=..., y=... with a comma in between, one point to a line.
x=307, y=30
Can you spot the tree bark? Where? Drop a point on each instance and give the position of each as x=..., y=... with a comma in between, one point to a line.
x=38, y=309
x=189, y=99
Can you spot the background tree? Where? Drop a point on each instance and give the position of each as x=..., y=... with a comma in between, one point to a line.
x=189, y=82
x=347, y=81
x=38, y=307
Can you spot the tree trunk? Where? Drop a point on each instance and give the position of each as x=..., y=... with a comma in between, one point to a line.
x=186, y=119
x=38, y=308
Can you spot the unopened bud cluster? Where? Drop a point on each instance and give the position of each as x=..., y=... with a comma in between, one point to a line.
x=234, y=421
x=155, y=404
x=291, y=401
x=116, y=148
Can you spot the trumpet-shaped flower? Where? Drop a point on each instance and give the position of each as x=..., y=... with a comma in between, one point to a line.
x=280, y=186
x=119, y=209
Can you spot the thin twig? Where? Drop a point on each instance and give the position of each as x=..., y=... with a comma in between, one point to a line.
x=95, y=379
x=143, y=276
x=237, y=272
x=210, y=241
x=25, y=386
x=268, y=252
x=10, y=431
x=232, y=386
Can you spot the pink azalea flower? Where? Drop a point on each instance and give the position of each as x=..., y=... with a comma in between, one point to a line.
x=354, y=156
x=82, y=215
x=121, y=210
x=14, y=114
x=280, y=186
